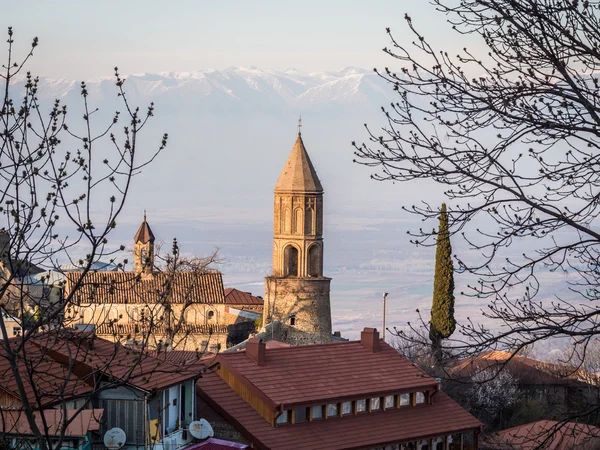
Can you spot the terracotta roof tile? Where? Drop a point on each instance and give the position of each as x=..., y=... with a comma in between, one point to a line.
x=377, y=429
x=126, y=287
x=329, y=371
x=547, y=434
x=236, y=297
x=298, y=175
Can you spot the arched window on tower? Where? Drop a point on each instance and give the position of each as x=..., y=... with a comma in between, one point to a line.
x=308, y=221
x=290, y=261
x=298, y=229
x=314, y=261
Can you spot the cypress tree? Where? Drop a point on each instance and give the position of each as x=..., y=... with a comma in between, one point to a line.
x=442, y=323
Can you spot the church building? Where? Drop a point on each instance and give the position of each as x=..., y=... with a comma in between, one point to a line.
x=297, y=292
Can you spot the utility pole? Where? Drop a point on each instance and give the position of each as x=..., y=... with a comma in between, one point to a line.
x=385, y=294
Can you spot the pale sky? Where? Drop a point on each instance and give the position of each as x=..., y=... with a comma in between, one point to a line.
x=86, y=39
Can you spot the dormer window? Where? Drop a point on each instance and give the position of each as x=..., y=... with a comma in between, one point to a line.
x=375, y=403
x=361, y=406
x=332, y=410
x=420, y=398
x=316, y=412
x=390, y=402
x=404, y=399
x=300, y=415
x=347, y=408
x=283, y=418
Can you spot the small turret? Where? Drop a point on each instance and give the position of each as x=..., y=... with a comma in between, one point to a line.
x=143, y=249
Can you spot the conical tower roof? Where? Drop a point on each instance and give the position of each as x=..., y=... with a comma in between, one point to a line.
x=144, y=233
x=298, y=175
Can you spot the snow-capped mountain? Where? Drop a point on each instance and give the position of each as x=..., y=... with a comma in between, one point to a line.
x=237, y=89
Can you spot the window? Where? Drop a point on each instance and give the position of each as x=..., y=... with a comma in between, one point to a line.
x=290, y=257
x=300, y=415
x=389, y=402
x=292, y=320
x=420, y=398
x=317, y=412
x=16, y=331
x=332, y=410
x=346, y=408
x=361, y=406
x=375, y=403
x=211, y=315
x=283, y=418
x=314, y=261
x=404, y=399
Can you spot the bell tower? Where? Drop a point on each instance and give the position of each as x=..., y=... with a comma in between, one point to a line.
x=297, y=293
x=143, y=249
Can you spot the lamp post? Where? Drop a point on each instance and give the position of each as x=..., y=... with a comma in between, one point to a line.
x=385, y=294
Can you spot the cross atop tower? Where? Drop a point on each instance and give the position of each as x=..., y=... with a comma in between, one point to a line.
x=299, y=124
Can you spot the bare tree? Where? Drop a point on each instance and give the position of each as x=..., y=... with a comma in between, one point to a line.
x=64, y=184
x=511, y=134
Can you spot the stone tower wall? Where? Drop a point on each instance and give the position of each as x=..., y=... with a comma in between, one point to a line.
x=141, y=264
x=304, y=299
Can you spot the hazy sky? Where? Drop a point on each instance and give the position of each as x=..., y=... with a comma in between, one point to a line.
x=86, y=39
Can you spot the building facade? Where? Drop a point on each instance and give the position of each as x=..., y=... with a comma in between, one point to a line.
x=297, y=292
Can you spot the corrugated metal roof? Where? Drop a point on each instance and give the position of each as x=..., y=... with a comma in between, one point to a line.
x=328, y=371
x=127, y=287
x=376, y=429
x=236, y=297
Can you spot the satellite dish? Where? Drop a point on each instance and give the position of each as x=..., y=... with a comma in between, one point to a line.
x=201, y=429
x=114, y=438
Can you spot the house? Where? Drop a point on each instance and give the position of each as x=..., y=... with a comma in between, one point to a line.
x=551, y=389
x=150, y=398
x=544, y=434
x=346, y=395
x=184, y=310
x=80, y=432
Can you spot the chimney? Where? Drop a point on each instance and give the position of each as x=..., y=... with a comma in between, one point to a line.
x=337, y=334
x=369, y=338
x=256, y=350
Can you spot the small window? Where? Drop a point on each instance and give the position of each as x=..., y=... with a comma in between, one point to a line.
x=292, y=320
x=317, y=412
x=404, y=399
x=332, y=410
x=361, y=406
x=16, y=331
x=211, y=315
x=375, y=403
x=420, y=398
x=300, y=415
x=346, y=408
x=389, y=402
x=283, y=418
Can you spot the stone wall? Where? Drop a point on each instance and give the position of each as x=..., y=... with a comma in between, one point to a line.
x=302, y=304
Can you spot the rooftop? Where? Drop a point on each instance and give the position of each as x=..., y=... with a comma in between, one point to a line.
x=547, y=434
x=234, y=296
x=144, y=233
x=15, y=422
x=296, y=375
x=298, y=175
x=127, y=287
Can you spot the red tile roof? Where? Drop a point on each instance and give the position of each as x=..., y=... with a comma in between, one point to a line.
x=317, y=373
x=236, y=297
x=547, y=434
x=15, y=422
x=376, y=429
x=89, y=354
x=127, y=287
x=527, y=370
x=38, y=368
